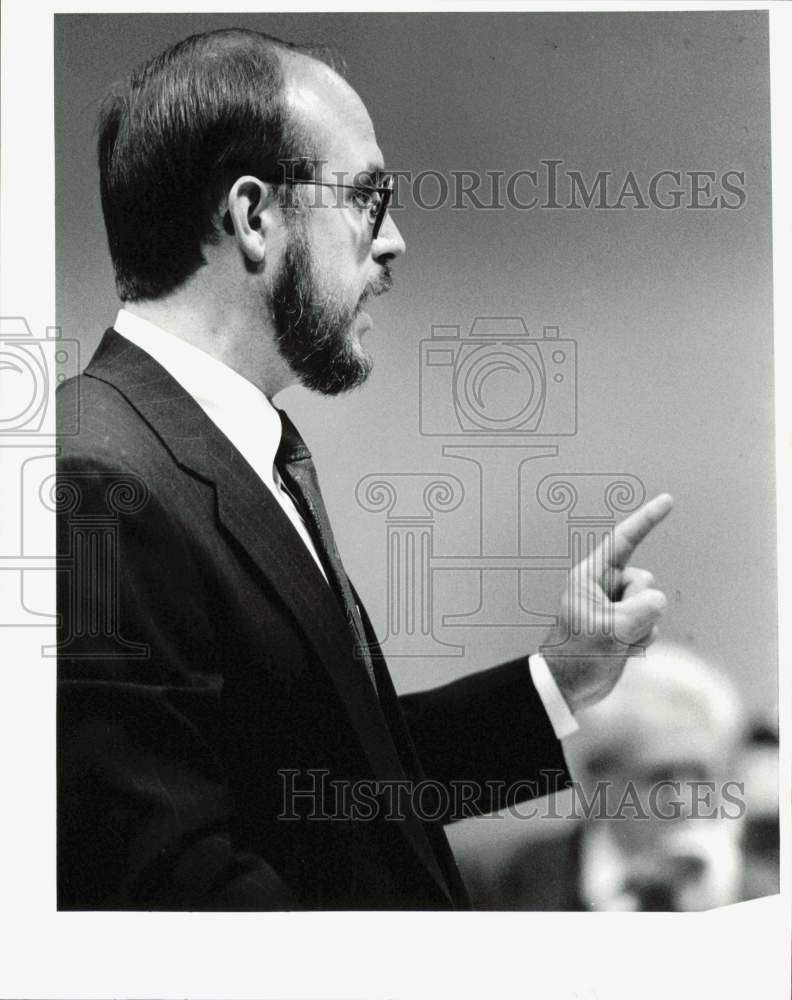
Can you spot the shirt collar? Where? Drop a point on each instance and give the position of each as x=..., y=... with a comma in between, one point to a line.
x=244, y=414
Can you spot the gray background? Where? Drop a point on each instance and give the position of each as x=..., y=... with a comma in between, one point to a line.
x=671, y=310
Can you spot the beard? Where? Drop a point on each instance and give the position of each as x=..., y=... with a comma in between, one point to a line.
x=314, y=327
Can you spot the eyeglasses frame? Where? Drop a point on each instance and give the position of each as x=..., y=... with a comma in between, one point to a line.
x=385, y=190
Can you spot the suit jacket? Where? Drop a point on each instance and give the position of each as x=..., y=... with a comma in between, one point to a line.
x=205, y=667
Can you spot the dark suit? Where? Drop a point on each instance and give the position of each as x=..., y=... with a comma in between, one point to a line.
x=168, y=762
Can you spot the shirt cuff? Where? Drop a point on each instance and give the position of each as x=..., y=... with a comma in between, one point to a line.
x=558, y=712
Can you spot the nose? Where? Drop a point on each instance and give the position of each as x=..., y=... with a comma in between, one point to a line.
x=389, y=243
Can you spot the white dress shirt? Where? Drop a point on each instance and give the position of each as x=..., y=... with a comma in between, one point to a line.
x=252, y=424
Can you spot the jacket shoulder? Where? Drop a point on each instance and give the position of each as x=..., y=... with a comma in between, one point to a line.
x=97, y=425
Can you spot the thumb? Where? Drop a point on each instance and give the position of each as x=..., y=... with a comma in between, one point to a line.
x=635, y=616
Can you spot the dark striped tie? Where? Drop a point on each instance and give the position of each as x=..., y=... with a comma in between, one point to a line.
x=298, y=472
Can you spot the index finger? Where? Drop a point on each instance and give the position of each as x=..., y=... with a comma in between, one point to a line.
x=629, y=534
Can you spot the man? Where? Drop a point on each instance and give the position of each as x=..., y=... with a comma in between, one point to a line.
x=659, y=823
x=245, y=202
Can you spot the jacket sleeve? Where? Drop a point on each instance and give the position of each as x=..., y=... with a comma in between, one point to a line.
x=487, y=740
x=143, y=799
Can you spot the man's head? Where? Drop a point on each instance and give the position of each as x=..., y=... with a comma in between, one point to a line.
x=671, y=714
x=204, y=158
x=660, y=748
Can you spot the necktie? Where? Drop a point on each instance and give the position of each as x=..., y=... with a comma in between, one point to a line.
x=298, y=472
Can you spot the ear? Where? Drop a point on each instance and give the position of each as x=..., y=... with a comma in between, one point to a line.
x=251, y=213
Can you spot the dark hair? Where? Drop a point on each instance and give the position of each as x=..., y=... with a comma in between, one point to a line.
x=176, y=136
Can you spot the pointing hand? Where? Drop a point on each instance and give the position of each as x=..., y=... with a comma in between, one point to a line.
x=608, y=610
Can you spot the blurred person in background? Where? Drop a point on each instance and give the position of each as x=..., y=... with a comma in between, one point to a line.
x=665, y=832
x=758, y=770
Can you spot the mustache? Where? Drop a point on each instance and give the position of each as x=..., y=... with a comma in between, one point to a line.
x=383, y=284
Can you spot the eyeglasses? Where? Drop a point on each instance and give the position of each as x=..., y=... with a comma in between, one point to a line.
x=374, y=200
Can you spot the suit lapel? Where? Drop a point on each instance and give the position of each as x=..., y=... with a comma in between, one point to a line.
x=249, y=512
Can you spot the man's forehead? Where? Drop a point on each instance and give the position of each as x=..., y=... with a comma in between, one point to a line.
x=331, y=115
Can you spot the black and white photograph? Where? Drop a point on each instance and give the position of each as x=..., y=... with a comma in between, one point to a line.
x=393, y=503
